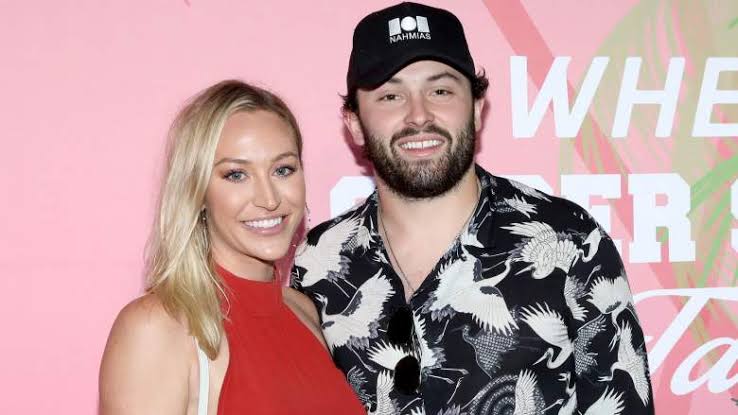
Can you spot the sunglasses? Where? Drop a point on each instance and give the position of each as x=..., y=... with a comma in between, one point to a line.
x=401, y=332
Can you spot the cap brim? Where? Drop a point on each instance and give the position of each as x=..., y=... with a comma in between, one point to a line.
x=390, y=65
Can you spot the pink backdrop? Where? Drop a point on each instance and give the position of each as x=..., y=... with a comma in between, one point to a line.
x=89, y=87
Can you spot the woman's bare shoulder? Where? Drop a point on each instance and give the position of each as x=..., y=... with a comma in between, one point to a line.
x=147, y=360
x=146, y=319
x=301, y=302
x=305, y=310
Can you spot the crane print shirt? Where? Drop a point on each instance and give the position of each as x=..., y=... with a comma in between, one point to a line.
x=528, y=312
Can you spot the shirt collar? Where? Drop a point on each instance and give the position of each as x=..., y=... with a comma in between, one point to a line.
x=484, y=213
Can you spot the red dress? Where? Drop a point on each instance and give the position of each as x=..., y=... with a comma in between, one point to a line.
x=277, y=365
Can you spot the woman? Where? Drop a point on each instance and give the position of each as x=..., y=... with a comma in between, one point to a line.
x=216, y=332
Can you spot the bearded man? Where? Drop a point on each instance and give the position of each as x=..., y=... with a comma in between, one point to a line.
x=450, y=290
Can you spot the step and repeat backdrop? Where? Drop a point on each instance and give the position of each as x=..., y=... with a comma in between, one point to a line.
x=629, y=108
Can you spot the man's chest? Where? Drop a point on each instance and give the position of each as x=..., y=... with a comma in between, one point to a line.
x=472, y=321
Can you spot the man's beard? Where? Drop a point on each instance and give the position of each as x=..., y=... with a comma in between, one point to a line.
x=421, y=179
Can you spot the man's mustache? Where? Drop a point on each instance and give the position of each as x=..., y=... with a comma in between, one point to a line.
x=409, y=131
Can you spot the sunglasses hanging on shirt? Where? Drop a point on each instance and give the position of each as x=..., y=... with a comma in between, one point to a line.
x=401, y=332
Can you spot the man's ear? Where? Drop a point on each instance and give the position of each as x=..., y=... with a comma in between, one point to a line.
x=478, y=107
x=353, y=124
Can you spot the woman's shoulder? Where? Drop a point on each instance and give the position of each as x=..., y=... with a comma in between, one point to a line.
x=304, y=309
x=299, y=302
x=146, y=318
x=146, y=337
x=147, y=359
x=145, y=331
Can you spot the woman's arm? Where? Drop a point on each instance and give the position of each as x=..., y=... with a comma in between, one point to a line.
x=147, y=361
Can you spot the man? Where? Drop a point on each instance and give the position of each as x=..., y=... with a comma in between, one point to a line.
x=452, y=291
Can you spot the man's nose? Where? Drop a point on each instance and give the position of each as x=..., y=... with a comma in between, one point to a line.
x=418, y=113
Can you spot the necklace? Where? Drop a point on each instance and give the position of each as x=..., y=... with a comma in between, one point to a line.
x=392, y=254
x=389, y=244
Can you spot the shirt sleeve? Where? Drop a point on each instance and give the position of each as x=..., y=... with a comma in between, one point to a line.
x=295, y=279
x=298, y=272
x=611, y=366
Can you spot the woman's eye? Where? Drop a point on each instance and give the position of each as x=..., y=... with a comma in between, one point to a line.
x=235, y=176
x=284, y=171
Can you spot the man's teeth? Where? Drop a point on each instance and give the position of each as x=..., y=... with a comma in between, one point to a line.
x=420, y=144
x=264, y=223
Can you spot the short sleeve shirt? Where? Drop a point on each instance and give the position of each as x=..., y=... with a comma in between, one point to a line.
x=529, y=310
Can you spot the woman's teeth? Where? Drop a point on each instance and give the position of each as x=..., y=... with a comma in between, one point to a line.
x=264, y=223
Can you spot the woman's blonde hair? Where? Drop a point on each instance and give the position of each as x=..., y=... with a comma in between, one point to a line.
x=180, y=271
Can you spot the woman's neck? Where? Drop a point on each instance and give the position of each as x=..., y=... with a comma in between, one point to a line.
x=245, y=266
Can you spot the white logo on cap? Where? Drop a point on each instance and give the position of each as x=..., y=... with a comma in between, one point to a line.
x=408, y=28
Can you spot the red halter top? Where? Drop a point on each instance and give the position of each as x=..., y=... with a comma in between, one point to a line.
x=277, y=365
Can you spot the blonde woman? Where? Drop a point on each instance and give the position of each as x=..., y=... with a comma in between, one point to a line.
x=216, y=331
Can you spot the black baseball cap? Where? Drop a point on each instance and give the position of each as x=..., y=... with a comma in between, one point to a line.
x=390, y=39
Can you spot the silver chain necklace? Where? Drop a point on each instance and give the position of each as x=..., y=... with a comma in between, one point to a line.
x=392, y=254
x=389, y=244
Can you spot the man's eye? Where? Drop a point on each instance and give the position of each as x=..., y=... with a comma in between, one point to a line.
x=442, y=92
x=389, y=97
x=235, y=176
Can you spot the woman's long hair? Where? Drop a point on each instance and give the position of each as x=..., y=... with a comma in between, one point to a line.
x=180, y=271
